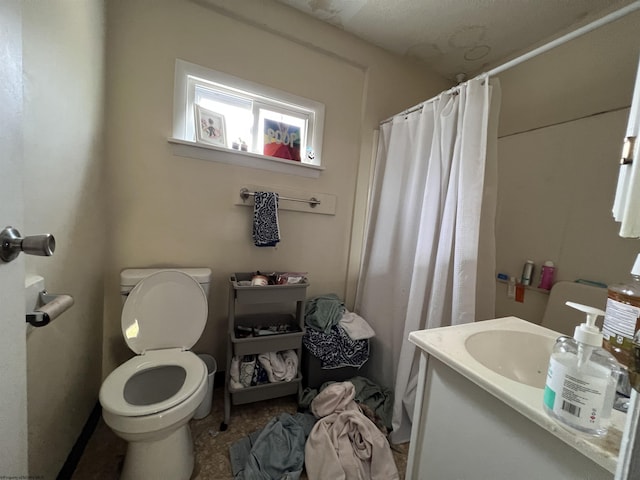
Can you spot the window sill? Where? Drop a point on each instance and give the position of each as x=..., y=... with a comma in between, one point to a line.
x=186, y=148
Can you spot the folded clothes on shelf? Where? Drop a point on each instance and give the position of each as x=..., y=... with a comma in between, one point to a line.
x=268, y=367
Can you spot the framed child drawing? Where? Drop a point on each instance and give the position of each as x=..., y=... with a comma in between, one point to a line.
x=210, y=128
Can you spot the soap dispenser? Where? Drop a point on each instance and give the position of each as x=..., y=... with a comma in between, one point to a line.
x=582, y=378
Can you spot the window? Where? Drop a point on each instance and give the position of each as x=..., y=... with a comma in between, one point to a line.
x=258, y=120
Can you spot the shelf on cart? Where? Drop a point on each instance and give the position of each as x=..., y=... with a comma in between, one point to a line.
x=248, y=345
x=264, y=391
x=266, y=293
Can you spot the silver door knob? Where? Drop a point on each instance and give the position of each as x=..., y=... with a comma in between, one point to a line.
x=11, y=244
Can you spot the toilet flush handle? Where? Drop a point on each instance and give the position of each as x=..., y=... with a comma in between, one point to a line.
x=11, y=244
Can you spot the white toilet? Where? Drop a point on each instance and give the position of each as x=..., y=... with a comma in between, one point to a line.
x=149, y=400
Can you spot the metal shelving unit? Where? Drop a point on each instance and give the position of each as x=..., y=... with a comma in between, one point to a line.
x=242, y=293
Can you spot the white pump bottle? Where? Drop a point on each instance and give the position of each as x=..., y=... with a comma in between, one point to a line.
x=582, y=378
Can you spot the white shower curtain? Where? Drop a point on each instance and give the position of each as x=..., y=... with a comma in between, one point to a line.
x=429, y=258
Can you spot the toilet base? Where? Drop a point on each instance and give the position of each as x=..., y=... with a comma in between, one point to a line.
x=170, y=457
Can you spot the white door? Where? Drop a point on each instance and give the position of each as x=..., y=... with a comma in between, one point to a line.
x=13, y=361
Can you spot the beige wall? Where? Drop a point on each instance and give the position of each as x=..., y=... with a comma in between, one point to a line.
x=63, y=123
x=558, y=156
x=171, y=210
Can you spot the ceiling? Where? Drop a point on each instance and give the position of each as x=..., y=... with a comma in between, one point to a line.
x=457, y=36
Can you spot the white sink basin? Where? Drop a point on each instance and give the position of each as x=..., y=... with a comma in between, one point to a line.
x=519, y=356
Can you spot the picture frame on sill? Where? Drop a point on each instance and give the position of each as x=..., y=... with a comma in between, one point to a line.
x=281, y=140
x=210, y=127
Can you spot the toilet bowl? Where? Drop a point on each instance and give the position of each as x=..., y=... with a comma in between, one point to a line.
x=149, y=400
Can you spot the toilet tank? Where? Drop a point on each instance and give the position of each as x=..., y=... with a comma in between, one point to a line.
x=130, y=277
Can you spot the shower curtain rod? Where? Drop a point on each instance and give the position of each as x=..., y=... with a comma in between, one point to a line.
x=611, y=17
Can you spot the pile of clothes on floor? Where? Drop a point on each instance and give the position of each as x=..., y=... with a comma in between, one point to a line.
x=269, y=367
x=337, y=337
x=342, y=435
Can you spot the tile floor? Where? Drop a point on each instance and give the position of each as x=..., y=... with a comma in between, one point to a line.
x=104, y=453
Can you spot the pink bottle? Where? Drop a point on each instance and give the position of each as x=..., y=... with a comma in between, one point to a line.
x=546, y=275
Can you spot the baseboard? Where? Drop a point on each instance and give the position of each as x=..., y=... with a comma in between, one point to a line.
x=73, y=459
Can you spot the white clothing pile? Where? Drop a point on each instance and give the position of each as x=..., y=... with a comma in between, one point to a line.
x=344, y=443
x=279, y=366
x=356, y=327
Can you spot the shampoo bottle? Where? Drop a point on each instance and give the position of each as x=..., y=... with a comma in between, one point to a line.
x=546, y=275
x=582, y=378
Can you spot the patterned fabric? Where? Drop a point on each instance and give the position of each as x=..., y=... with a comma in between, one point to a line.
x=336, y=349
x=266, y=231
x=259, y=375
x=247, y=366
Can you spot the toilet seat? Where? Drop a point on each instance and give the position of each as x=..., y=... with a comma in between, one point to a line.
x=112, y=396
x=167, y=309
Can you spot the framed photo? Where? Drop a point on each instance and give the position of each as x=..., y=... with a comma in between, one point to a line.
x=281, y=140
x=210, y=127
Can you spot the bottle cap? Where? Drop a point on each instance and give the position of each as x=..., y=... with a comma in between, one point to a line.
x=636, y=266
x=548, y=263
x=587, y=332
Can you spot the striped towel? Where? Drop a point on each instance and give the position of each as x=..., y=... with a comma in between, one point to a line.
x=266, y=231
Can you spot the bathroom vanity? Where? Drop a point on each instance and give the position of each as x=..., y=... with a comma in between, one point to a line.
x=478, y=411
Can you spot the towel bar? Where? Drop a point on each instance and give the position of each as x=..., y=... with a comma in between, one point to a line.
x=313, y=201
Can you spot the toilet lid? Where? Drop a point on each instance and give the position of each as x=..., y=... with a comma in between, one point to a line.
x=167, y=309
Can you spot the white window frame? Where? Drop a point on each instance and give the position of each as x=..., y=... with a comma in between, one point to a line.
x=187, y=75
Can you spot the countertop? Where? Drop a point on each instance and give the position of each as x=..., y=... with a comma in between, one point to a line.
x=447, y=344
